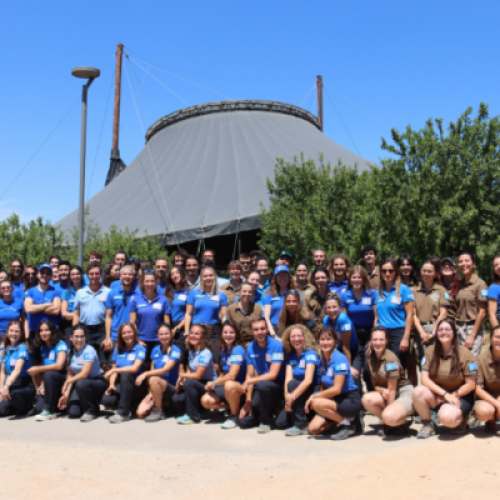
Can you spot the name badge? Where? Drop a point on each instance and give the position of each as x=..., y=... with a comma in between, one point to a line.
x=302, y=364
x=182, y=297
x=329, y=372
x=157, y=306
x=366, y=301
x=396, y=300
x=102, y=298
x=228, y=361
x=269, y=357
x=131, y=357
x=215, y=298
x=275, y=298
x=79, y=360
x=165, y=359
x=13, y=362
x=52, y=356
x=118, y=297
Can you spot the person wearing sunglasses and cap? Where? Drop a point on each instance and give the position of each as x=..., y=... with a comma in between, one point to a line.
x=281, y=284
x=284, y=259
x=41, y=302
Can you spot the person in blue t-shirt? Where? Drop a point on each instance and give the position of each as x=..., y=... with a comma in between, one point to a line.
x=358, y=302
x=128, y=361
x=301, y=380
x=263, y=386
x=11, y=307
x=50, y=376
x=207, y=305
x=148, y=310
x=232, y=374
x=395, y=309
x=339, y=401
x=494, y=294
x=161, y=269
x=162, y=378
x=16, y=274
x=340, y=267
x=68, y=301
x=17, y=391
x=85, y=384
x=177, y=293
x=200, y=370
x=281, y=283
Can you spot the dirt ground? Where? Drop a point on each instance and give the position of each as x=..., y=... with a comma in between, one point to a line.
x=67, y=459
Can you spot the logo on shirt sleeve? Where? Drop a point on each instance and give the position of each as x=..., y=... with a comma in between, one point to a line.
x=278, y=356
x=311, y=357
x=446, y=295
x=347, y=327
x=341, y=367
x=484, y=293
x=175, y=355
x=141, y=355
x=237, y=357
x=422, y=363
x=201, y=359
x=472, y=367
x=391, y=366
x=87, y=356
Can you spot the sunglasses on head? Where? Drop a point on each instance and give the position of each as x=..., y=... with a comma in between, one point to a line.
x=137, y=261
x=148, y=271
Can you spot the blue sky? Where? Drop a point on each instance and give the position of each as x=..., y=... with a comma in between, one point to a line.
x=385, y=64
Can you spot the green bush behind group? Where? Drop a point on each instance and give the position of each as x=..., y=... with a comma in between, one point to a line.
x=438, y=193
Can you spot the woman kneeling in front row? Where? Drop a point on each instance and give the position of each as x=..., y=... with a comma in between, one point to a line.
x=391, y=400
x=448, y=382
x=162, y=378
x=339, y=401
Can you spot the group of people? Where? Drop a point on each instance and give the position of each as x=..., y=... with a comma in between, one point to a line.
x=309, y=352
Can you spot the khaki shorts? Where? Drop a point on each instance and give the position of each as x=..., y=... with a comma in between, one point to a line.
x=464, y=330
x=421, y=348
x=404, y=396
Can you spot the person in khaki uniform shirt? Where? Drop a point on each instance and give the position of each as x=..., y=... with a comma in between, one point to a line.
x=487, y=406
x=232, y=288
x=370, y=257
x=392, y=399
x=431, y=306
x=448, y=382
x=471, y=299
x=450, y=280
x=244, y=311
x=302, y=283
x=316, y=301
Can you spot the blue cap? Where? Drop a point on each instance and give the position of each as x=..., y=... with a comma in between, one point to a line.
x=45, y=266
x=281, y=269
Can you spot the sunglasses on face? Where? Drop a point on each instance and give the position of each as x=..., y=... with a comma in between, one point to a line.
x=30, y=274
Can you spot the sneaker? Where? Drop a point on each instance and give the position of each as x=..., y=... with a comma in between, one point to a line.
x=231, y=423
x=118, y=418
x=186, y=420
x=490, y=427
x=296, y=431
x=345, y=431
x=88, y=416
x=46, y=415
x=107, y=408
x=155, y=415
x=474, y=423
x=386, y=430
x=264, y=429
x=460, y=429
x=427, y=430
x=434, y=417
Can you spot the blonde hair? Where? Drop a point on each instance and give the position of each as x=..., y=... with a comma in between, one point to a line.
x=303, y=313
x=215, y=287
x=364, y=276
x=309, y=341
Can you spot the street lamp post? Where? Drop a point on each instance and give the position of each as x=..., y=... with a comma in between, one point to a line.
x=91, y=74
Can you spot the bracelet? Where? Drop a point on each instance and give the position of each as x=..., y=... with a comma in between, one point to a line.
x=445, y=392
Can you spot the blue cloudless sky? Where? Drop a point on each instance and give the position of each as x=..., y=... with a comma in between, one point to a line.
x=384, y=64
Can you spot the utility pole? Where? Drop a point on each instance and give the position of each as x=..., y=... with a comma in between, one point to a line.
x=319, y=89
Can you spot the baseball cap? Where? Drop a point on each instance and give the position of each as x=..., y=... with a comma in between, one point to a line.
x=280, y=269
x=45, y=266
x=285, y=254
x=449, y=259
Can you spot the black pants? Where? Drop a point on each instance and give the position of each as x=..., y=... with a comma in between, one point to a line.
x=53, y=382
x=90, y=393
x=35, y=354
x=191, y=397
x=95, y=335
x=127, y=394
x=150, y=345
x=297, y=417
x=364, y=333
x=395, y=336
x=266, y=395
x=214, y=331
x=180, y=342
x=22, y=396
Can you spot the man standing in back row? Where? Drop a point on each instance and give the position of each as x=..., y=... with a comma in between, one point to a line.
x=370, y=257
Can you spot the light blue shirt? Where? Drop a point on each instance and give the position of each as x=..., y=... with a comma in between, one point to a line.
x=86, y=355
x=391, y=309
x=92, y=305
x=203, y=358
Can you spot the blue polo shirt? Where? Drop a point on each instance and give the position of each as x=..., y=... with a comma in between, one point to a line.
x=390, y=309
x=92, y=305
x=128, y=358
x=178, y=305
x=265, y=288
x=206, y=307
x=38, y=298
x=494, y=293
x=10, y=311
x=19, y=294
x=149, y=315
x=260, y=298
x=118, y=284
x=299, y=365
x=360, y=311
x=343, y=324
x=276, y=302
x=236, y=356
x=49, y=354
x=86, y=354
x=17, y=287
x=161, y=358
x=12, y=354
x=161, y=287
x=262, y=358
x=61, y=287
x=203, y=358
x=338, y=365
x=338, y=287
x=118, y=301
x=68, y=296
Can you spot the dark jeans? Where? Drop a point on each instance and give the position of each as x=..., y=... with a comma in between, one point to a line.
x=266, y=395
x=127, y=394
x=90, y=393
x=95, y=334
x=53, y=382
x=193, y=391
x=22, y=395
x=297, y=417
x=395, y=337
x=150, y=345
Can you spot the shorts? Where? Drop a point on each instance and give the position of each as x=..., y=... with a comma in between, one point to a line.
x=348, y=405
x=421, y=348
x=464, y=329
x=466, y=404
x=404, y=396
